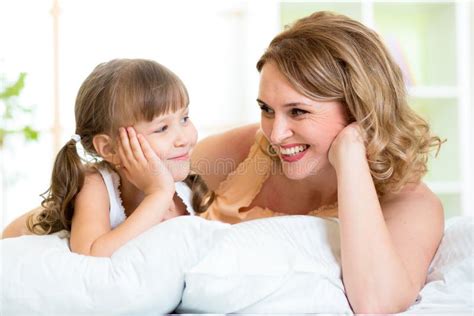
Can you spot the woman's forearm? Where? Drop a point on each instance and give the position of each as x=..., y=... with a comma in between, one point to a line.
x=19, y=226
x=375, y=278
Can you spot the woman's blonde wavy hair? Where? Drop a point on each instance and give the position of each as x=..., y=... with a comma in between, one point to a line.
x=117, y=93
x=330, y=57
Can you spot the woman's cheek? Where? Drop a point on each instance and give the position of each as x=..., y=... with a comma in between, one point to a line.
x=264, y=126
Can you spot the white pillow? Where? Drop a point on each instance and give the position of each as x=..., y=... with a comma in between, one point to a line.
x=450, y=281
x=288, y=264
x=40, y=276
x=291, y=264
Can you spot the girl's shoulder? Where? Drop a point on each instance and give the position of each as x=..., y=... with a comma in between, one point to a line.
x=94, y=183
x=218, y=155
x=97, y=174
x=93, y=195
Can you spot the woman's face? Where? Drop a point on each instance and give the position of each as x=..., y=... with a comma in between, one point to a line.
x=300, y=129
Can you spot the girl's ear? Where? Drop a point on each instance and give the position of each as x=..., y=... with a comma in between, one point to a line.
x=105, y=148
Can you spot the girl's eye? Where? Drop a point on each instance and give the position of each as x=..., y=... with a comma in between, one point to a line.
x=161, y=129
x=298, y=112
x=185, y=119
x=265, y=109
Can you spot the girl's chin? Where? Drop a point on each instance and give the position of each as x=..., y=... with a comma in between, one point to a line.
x=181, y=176
x=179, y=170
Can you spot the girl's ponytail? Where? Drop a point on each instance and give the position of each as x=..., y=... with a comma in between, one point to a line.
x=202, y=196
x=58, y=201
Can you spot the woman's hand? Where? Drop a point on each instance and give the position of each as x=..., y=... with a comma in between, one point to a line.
x=142, y=167
x=348, y=145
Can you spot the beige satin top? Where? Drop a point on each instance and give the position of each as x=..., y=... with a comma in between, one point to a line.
x=238, y=190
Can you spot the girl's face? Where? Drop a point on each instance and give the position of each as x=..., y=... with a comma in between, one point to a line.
x=300, y=129
x=172, y=136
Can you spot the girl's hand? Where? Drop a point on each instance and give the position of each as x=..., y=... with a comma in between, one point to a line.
x=142, y=167
x=348, y=145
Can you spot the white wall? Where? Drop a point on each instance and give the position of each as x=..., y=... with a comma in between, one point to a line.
x=212, y=45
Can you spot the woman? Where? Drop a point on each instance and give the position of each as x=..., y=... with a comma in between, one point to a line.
x=336, y=139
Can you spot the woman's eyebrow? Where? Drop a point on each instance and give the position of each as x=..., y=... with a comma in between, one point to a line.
x=261, y=102
x=291, y=104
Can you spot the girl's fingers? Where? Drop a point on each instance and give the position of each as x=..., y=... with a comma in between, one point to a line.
x=124, y=141
x=135, y=146
x=146, y=148
x=123, y=159
x=128, y=175
x=154, y=162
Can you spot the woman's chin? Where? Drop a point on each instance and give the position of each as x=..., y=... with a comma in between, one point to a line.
x=300, y=170
x=292, y=175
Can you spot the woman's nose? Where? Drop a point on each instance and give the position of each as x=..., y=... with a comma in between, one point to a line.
x=281, y=130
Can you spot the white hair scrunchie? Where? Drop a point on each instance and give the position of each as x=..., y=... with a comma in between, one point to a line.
x=76, y=138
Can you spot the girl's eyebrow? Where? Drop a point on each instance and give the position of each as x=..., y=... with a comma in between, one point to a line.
x=162, y=118
x=291, y=104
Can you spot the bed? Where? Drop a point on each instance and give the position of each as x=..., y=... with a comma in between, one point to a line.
x=288, y=264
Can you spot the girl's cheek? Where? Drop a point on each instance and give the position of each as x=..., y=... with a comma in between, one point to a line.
x=193, y=135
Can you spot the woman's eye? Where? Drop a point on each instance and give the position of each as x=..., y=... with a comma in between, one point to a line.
x=161, y=129
x=298, y=112
x=265, y=109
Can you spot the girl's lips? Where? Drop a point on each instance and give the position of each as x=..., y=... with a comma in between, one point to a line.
x=182, y=157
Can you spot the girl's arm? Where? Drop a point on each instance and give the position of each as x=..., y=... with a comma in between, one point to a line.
x=386, y=247
x=91, y=233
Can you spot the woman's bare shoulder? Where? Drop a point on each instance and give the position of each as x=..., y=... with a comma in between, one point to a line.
x=216, y=156
x=416, y=200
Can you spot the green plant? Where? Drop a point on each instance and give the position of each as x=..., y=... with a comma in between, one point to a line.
x=10, y=109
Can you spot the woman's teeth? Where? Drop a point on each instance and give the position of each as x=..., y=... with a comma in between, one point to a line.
x=293, y=150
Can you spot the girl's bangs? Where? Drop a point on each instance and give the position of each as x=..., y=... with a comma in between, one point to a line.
x=164, y=99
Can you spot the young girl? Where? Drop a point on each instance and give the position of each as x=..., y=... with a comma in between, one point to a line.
x=132, y=117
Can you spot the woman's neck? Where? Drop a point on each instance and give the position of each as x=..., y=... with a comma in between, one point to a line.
x=320, y=189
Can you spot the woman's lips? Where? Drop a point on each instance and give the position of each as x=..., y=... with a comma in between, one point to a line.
x=293, y=158
x=298, y=152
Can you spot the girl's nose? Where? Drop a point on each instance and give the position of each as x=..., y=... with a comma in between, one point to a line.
x=182, y=138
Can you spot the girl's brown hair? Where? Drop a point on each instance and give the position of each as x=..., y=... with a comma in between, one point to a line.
x=330, y=57
x=117, y=93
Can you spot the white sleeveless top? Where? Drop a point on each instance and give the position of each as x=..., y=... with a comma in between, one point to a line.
x=117, y=211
